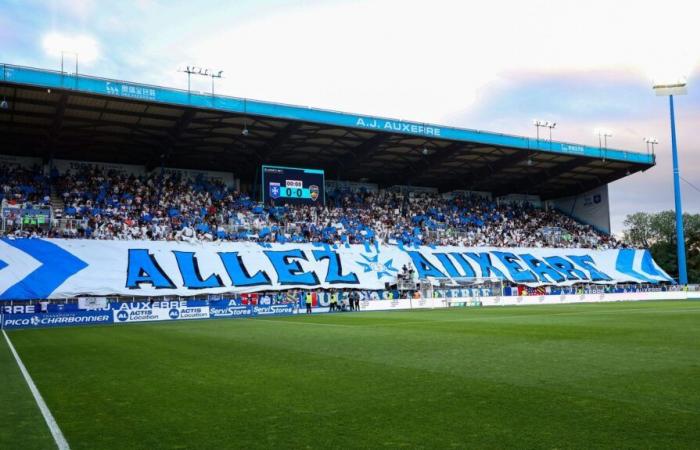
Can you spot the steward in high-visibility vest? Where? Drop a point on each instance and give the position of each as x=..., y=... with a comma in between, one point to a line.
x=309, y=300
x=334, y=302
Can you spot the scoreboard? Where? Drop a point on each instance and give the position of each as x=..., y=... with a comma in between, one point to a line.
x=293, y=185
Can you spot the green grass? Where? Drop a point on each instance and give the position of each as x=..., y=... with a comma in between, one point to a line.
x=570, y=376
x=21, y=423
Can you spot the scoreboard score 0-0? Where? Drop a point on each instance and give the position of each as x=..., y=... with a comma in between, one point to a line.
x=293, y=185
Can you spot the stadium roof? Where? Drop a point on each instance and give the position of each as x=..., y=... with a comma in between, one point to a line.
x=61, y=115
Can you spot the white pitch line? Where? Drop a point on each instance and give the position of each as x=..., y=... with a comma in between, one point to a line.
x=61, y=442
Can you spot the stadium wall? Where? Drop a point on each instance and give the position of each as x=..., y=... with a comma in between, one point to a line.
x=139, y=312
x=591, y=207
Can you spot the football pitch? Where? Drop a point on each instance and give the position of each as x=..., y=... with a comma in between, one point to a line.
x=621, y=375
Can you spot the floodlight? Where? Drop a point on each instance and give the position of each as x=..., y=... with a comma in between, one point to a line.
x=671, y=87
x=196, y=70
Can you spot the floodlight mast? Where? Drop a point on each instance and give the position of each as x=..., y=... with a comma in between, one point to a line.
x=603, y=135
x=670, y=89
x=190, y=70
x=651, y=142
x=63, y=53
x=544, y=124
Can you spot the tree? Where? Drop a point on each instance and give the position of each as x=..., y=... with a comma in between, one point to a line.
x=657, y=232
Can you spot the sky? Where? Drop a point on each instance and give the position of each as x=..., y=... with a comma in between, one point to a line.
x=493, y=65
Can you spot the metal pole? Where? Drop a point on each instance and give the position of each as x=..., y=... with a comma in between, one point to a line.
x=680, y=237
x=61, y=63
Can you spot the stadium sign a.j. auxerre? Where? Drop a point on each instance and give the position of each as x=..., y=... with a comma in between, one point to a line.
x=397, y=126
x=56, y=268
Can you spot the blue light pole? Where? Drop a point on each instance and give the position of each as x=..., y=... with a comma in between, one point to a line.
x=677, y=88
x=680, y=236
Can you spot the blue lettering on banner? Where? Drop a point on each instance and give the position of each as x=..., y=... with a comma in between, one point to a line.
x=289, y=272
x=189, y=269
x=239, y=274
x=588, y=264
x=566, y=268
x=334, y=274
x=487, y=268
x=143, y=268
x=517, y=272
x=464, y=264
x=48, y=269
x=424, y=267
x=45, y=320
x=447, y=264
x=542, y=269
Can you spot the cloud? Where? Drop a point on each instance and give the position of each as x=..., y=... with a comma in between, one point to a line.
x=84, y=45
x=414, y=60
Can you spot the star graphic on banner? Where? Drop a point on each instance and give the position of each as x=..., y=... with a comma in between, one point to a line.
x=371, y=263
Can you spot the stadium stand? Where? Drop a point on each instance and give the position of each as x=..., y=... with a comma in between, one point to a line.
x=96, y=203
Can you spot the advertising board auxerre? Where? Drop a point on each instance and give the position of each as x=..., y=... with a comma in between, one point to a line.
x=168, y=310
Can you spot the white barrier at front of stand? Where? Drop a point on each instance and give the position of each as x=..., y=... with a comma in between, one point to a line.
x=432, y=303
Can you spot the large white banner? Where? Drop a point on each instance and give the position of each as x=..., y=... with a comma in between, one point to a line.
x=59, y=268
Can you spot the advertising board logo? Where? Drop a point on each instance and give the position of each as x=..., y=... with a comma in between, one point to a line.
x=174, y=313
x=122, y=316
x=274, y=190
x=314, y=191
x=34, y=320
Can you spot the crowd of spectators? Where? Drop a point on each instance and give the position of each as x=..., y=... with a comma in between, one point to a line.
x=21, y=187
x=101, y=204
x=24, y=192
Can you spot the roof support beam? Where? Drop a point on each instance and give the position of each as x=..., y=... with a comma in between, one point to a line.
x=437, y=158
x=363, y=150
x=278, y=141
